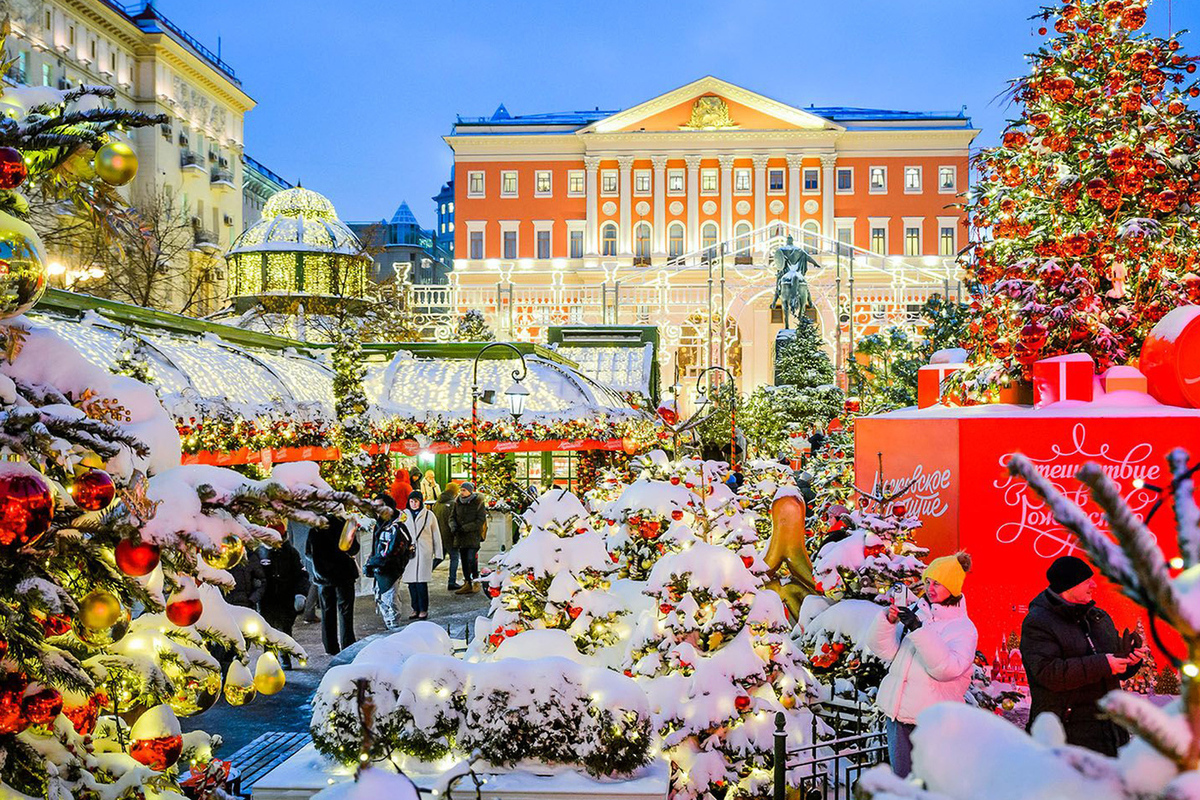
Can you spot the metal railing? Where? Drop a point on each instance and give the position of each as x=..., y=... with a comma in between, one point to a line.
x=189, y=159
x=830, y=768
x=219, y=175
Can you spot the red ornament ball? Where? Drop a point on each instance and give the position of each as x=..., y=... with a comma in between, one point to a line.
x=748, y=561
x=677, y=515
x=93, y=490
x=11, y=718
x=184, y=611
x=138, y=559
x=42, y=706
x=13, y=170
x=57, y=624
x=742, y=703
x=26, y=505
x=157, y=753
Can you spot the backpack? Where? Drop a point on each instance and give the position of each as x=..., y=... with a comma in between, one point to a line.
x=394, y=556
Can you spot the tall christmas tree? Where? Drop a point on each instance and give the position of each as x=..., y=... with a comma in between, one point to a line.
x=350, y=407
x=1092, y=200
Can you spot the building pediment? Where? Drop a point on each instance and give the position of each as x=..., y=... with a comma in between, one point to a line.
x=710, y=104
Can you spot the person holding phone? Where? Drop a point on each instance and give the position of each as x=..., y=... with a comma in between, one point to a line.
x=930, y=648
x=1073, y=656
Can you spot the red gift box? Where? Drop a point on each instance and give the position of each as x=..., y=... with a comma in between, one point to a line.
x=929, y=383
x=1069, y=377
x=1123, y=379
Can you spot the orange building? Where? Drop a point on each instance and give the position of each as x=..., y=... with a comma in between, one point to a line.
x=645, y=215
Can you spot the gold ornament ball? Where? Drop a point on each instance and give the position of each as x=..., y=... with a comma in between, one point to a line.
x=101, y=620
x=227, y=554
x=22, y=267
x=239, y=685
x=1007, y=704
x=116, y=163
x=195, y=691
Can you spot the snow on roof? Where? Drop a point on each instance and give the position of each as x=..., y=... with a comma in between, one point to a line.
x=626, y=369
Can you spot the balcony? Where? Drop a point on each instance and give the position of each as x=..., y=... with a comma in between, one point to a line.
x=205, y=240
x=221, y=178
x=189, y=161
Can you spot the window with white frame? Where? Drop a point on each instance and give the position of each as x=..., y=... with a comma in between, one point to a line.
x=575, y=183
x=845, y=180
x=948, y=179
x=912, y=239
x=608, y=239
x=947, y=241
x=912, y=180
x=812, y=180
x=675, y=240
x=608, y=182
x=844, y=233
x=877, y=180
x=641, y=240
x=708, y=181
x=879, y=237
x=741, y=181
x=475, y=245
x=575, y=244
x=509, y=244
x=775, y=181
x=474, y=184
x=641, y=181
x=508, y=183
x=542, y=244
x=708, y=235
x=675, y=183
x=542, y=186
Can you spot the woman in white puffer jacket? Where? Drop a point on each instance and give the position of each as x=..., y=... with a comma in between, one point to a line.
x=931, y=647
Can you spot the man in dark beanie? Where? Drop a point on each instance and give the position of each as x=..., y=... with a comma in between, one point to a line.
x=1073, y=656
x=468, y=530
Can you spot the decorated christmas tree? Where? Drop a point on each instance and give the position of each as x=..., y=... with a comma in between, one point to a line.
x=1092, y=200
x=832, y=471
x=350, y=408
x=649, y=519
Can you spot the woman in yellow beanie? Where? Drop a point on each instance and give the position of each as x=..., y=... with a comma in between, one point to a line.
x=931, y=647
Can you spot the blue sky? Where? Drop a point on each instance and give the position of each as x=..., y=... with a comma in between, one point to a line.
x=353, y=97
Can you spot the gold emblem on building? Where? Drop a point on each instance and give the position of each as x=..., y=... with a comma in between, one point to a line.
x=709, y=113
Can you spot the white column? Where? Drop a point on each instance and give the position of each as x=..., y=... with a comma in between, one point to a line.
x=828, y=184
x=760, y=191
x=625, y=236
x=726, y=197
x=592, y=165
x=660, y=205
x=795, y=162
x=693, y=202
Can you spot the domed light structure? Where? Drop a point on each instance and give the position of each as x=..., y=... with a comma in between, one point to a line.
x=299, y=247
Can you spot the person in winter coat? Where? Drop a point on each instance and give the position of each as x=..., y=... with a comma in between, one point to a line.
x=441, y=511
x=336, y=572
x=931, y=649
x=1073, y=656
x=401, y=487
x=468, y=529
x=248, y=581
x=426, y=539
x=415, y=476
x=286, y=588
x=429, y=486
x=386, y=564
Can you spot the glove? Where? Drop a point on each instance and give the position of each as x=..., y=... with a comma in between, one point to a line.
x=908, y=618
x=299, y=602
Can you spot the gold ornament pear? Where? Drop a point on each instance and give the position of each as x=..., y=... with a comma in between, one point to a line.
x=268, y=674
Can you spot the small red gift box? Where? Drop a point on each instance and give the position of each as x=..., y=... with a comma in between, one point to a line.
x=1123, y=379
x=929, y=383
x=1069, y=377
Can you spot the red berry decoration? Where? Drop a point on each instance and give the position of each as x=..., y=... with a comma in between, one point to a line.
x=138, y=559
x=41, y=706
x=13, y=170
x=665, y=608
x=677, y=515
x=26, y=505
x=742, y=703
x=748, y=561
x=574, y=611
x=493, y=591
x=93, y=490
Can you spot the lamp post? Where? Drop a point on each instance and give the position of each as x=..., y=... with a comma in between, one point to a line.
x=516, y=394
x=732, y=408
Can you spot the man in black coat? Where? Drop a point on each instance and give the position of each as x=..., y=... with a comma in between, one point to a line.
x=286, y=588
x=335, y=571
x=468, y=529
x=1073, y=656
x=249, y=581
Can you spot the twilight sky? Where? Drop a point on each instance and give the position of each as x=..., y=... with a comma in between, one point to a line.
x=354, y=96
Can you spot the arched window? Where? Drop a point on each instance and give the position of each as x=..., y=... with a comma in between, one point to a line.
x=809, y=232
x=742, y=232
x=641, y=240
x=708, y=235
x=608, y=240
x=675, y=240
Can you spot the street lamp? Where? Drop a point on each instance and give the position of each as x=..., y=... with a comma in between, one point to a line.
x=516, y=398
x=732, y=407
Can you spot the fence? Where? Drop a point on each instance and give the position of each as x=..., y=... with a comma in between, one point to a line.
x=831, y=767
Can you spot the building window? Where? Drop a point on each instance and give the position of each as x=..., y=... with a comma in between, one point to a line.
x=575, y=240
x=508, y=183
x=878, y=181
x=92, y=49
x=112, y=63
x=675, y=181
x=541, y=183
x=946, y=243
x=608, y=240
x=912, y=180
x=510, y=244
x=742, y=244
x=675, y=240
x=741, y=181
x=708, y=235
x=641, y=182
x=845, y=237
x=71, y=35
x=775, y=182
x=912, y=240
x=845, y=180
x=474, y=184
x=708, y=181
x=948, y=179
x=543, y=244
x=641, y=240
x=879, y=239
x=475, y=248
x=47, y=77
x=575, y=183
x=812, y=180
x=49, y=21
x=608, y=181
